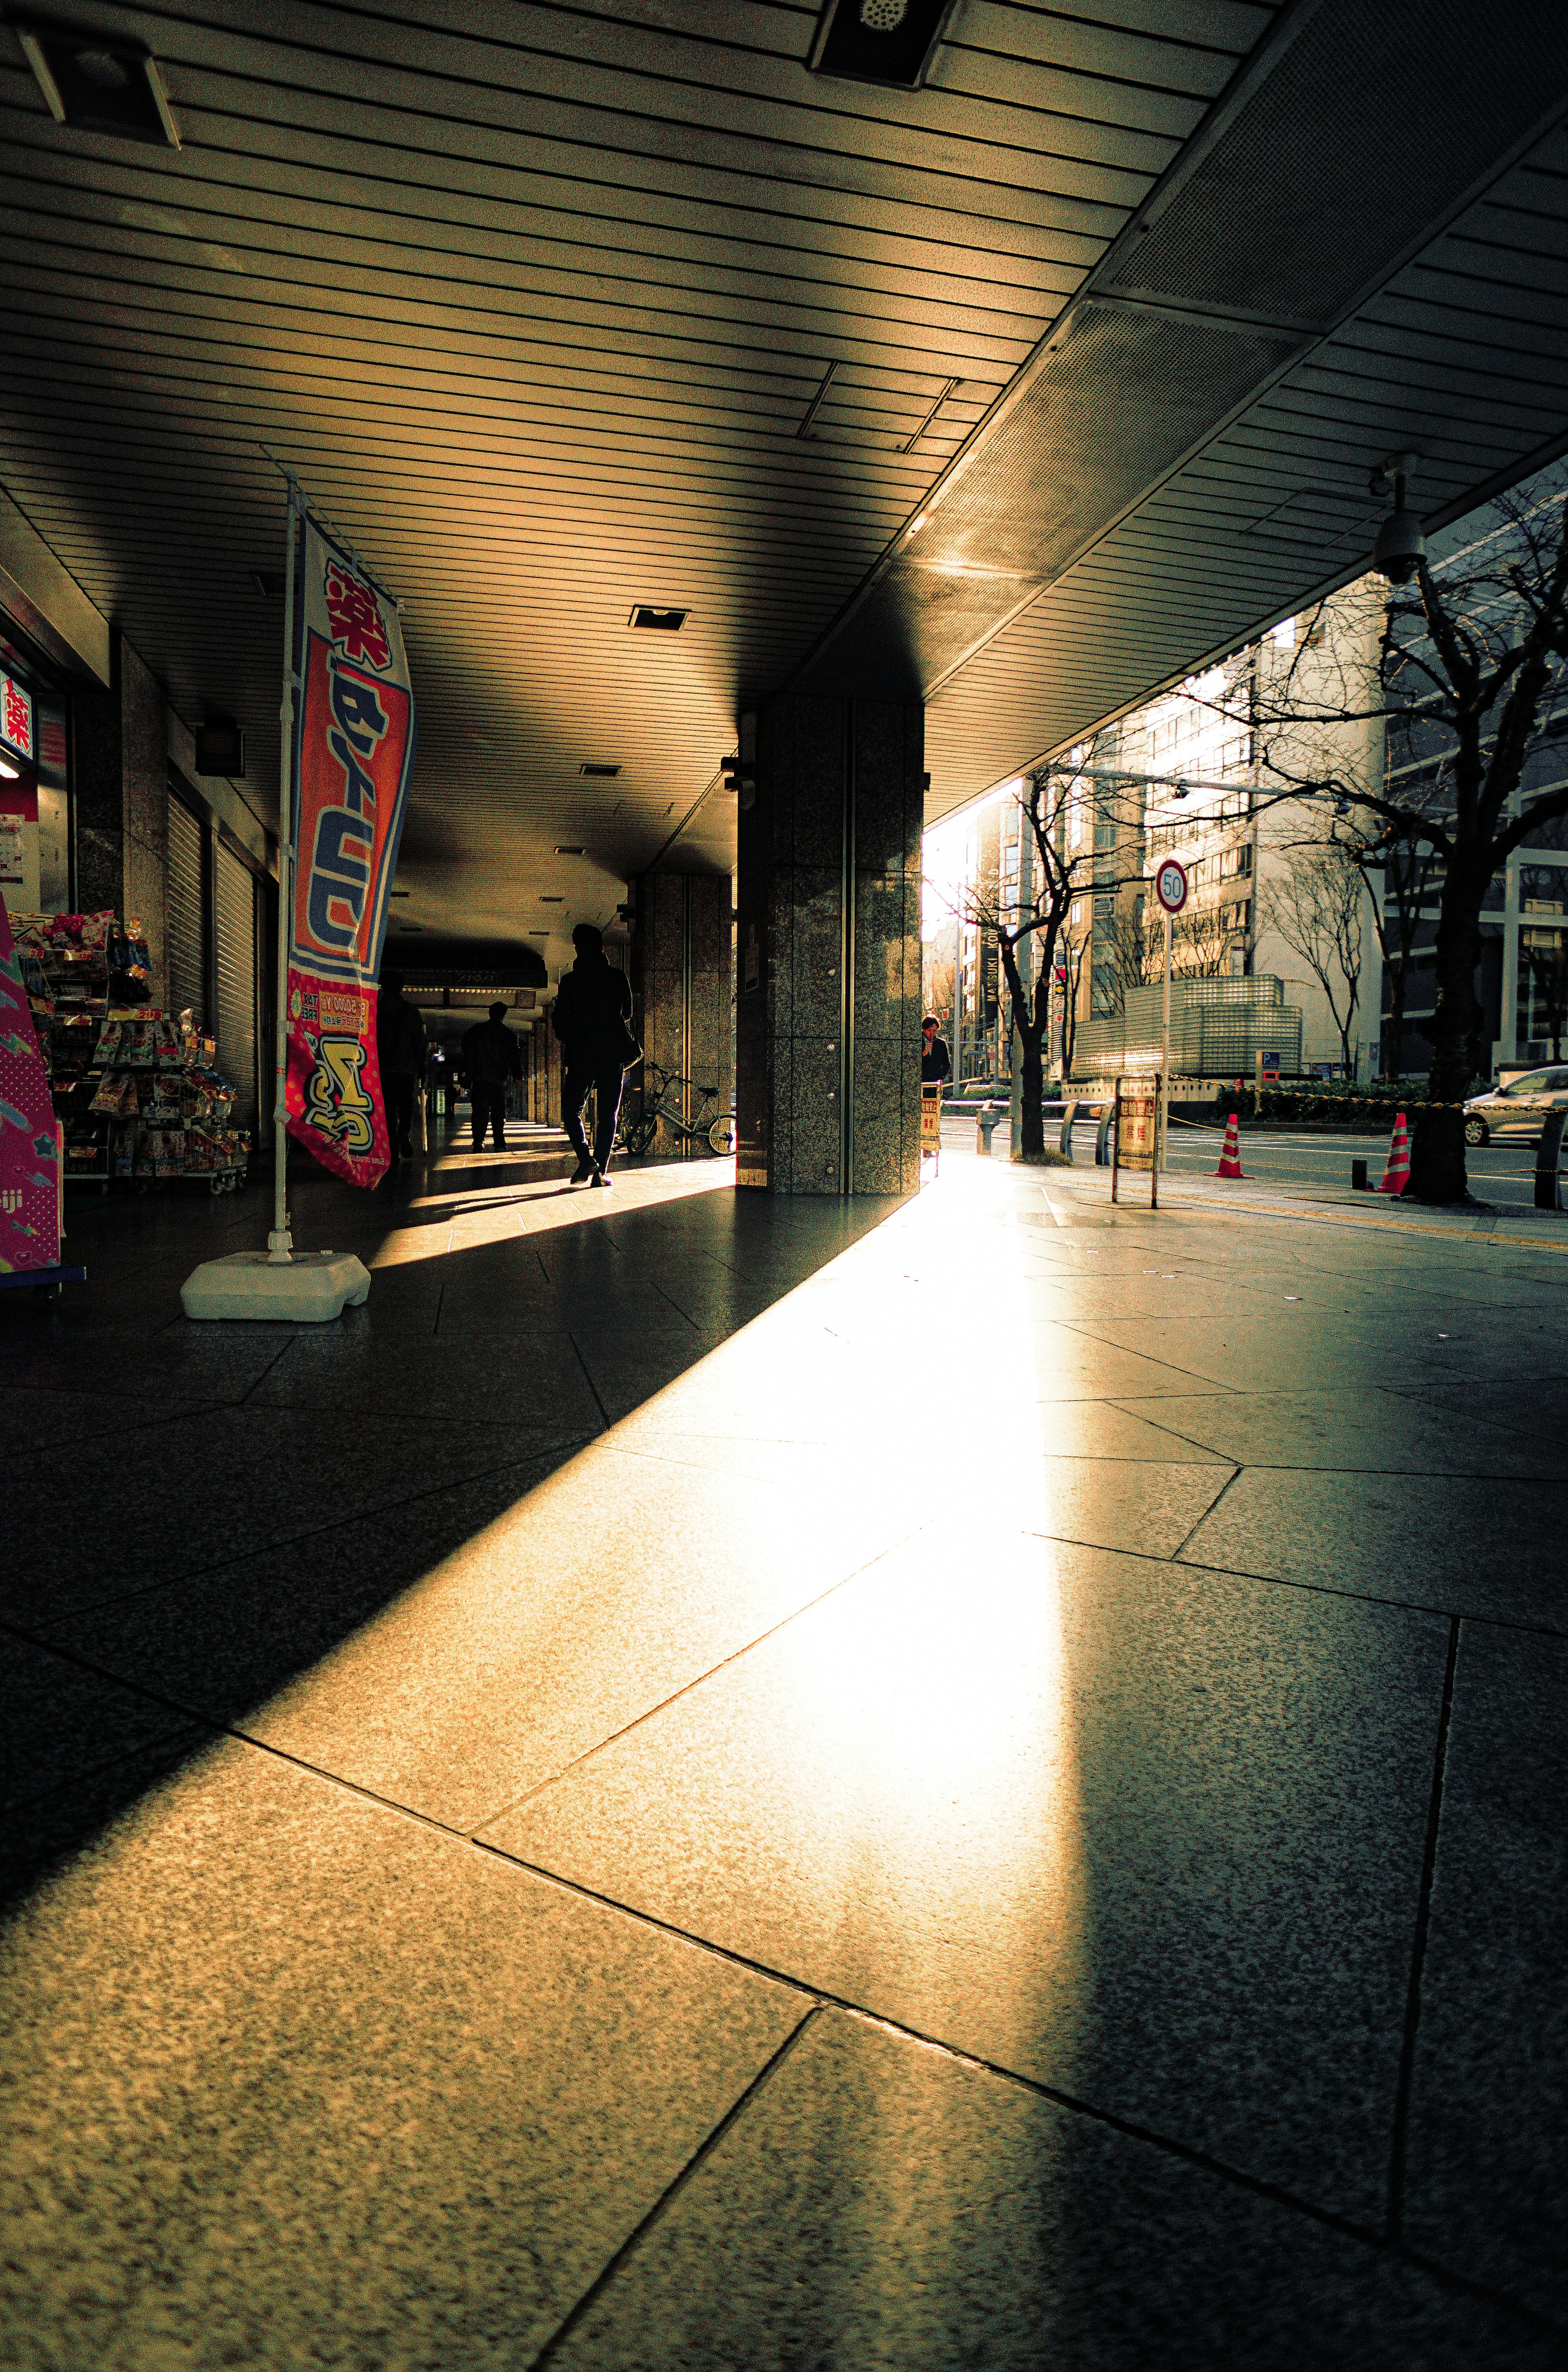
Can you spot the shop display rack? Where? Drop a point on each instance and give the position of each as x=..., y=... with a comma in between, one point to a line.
x=136, y=1089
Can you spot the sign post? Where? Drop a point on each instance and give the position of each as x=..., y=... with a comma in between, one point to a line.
x=1170, y=889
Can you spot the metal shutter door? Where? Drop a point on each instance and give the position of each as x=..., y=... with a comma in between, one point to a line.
x=234, y=932
x=187, y=972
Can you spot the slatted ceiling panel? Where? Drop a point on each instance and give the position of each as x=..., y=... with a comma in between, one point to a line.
x=536, y=297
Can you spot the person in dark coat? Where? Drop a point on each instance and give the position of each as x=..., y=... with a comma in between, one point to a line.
x=936, y=1063
x=592, y=1020
x=490, y=1059
x=400, y=1053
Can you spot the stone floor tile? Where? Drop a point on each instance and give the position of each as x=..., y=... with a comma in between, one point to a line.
x=603, y=1590
x=1490, y=1548
x=1153, y=1841
x=1364, y=1431
x=59, y=1723
x=1534, y=1405
x=376, y=2097
x=222, y=1642
x=882, y=2206
x=40, y=1839
x=1486, y=2193
x=183, y=1495
x=533, y=1385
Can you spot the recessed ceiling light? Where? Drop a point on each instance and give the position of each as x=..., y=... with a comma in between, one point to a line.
x=267, y=583
x=547, y=897
x=562, y=849
x=403, y=893
x=98, y=82
x=659, y=622
x=601, y=772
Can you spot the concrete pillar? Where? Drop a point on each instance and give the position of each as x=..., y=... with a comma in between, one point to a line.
x=680, y=985
x=121, y=796
x=828, y=994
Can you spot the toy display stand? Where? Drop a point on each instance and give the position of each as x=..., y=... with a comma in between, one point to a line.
x=45, y=1285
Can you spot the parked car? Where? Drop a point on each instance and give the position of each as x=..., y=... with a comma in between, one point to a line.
x=1515, y=1115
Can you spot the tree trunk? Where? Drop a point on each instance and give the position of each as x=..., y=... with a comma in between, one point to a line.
x=1437, y=1152
x=1031, y=1089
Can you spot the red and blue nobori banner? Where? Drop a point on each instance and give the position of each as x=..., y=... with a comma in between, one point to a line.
x=353, y=748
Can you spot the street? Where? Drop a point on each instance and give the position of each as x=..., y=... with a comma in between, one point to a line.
x=1503, y=1175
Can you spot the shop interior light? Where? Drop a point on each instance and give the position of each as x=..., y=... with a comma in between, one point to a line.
x=11, y=773
x=99, y=82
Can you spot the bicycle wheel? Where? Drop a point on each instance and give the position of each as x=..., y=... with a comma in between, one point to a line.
x=640, y=1132
x=721, y=1133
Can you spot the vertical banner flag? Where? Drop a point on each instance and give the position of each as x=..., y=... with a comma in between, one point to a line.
x=353, y=747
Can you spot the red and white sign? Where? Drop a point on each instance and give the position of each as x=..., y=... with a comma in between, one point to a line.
x=353, y=748
x=16, y=718
x=1170, y=886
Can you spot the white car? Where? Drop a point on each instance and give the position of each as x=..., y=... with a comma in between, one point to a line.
x=1515, y=1115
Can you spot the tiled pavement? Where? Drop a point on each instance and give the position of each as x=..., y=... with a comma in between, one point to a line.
x=719, y=1783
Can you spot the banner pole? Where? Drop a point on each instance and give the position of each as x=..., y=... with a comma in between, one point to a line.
x=280, y=1243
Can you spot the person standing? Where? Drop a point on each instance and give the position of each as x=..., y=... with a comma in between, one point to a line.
x=490, y=1059
x=400, y=1055
x=936, y=1063
x=593, y=1021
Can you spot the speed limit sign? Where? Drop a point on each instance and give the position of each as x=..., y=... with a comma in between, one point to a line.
x=1170, y=886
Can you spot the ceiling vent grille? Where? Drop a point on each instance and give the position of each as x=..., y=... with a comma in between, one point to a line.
x=1371, y=124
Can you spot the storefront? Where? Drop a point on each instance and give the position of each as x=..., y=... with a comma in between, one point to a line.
x=35, y=780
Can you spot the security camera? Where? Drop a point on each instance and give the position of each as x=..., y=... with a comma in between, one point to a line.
x=1401, y=546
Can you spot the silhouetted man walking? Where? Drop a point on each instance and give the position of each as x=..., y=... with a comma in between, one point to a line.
x=490, y=1059
x=593, y=1021
x=399, y=1057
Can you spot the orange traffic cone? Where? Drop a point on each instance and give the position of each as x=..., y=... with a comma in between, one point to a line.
x=1230, y=1159
x=1397, y=1176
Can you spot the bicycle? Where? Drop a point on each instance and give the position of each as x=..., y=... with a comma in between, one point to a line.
x=636, y=1134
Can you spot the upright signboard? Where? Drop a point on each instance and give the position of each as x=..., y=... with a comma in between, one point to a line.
x=1137, y=1133
x=354, y=749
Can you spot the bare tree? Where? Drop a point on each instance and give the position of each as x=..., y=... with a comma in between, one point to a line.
x=1313, y=904
x=1200, y=942
x=1058, y=806
x=1451, y=696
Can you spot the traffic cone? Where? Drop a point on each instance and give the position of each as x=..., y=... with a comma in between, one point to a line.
x=1230, y=1159
x=1397, y=1176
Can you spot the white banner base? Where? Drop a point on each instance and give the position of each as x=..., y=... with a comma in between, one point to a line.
x=307, y=1290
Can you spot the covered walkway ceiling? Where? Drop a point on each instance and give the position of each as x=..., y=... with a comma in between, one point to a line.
x=560, y=310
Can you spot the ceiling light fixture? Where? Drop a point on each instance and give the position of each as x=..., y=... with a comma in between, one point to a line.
x=597, y=771
x=99, y=82
x=549, y=897
x=562, y=849
x=879, y=41
x=659, y=621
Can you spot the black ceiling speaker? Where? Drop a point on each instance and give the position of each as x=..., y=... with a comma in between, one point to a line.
x=220, y=748
x=880, y=40
x=99, y=82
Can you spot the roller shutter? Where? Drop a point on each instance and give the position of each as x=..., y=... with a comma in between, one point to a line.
x=187, y=970
x=234, y=932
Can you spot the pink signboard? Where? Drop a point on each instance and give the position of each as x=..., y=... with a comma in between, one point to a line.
x=30, y=1137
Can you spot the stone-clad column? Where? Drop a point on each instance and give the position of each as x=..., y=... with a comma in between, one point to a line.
x=681, y=984
x=827, y=993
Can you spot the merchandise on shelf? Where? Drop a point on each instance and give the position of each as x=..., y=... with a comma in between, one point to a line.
x=136, y=1089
